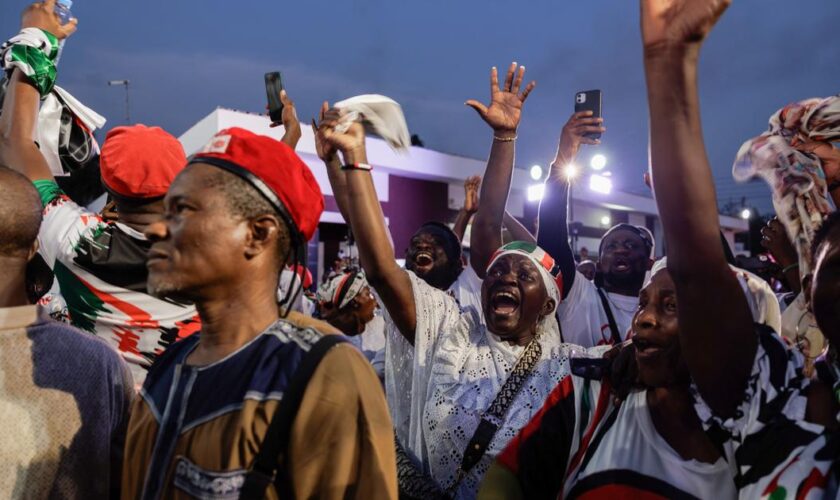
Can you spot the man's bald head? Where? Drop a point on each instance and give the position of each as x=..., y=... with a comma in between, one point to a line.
x=20, y=214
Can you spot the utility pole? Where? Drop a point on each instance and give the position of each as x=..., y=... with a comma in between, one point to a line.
x=123, y=83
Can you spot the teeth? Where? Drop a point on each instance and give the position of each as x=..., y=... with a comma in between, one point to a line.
x=506, y=294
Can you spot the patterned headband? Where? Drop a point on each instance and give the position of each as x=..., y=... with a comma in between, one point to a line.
x=341, y=289
x=549, y=270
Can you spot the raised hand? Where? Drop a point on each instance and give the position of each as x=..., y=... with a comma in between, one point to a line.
x=351, y=142
x=775, y=239
x=505, y=108
x=325, y=150
x=42, y=15
x=574, y=134
x=471, y=186
x=667, y=22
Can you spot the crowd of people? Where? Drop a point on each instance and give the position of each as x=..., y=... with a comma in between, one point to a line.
x=174, y=345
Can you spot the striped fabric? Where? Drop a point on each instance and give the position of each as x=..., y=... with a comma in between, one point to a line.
x=33, y=51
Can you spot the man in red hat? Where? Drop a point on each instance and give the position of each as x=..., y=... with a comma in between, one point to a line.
x=254, y=401
x=100, y=261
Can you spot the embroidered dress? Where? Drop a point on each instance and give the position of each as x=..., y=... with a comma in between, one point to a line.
x=581, y=445
x=439, y=388
x=777, y=453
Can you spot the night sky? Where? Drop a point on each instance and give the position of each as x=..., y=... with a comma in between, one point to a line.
x=186, y=58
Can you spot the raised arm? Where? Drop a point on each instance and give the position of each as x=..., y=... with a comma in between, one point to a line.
x=554, y=207
x=376, y=252
x=19, y=120
x=290, y=122
x=471, y=185
x=328, y=154
x=716, y=332
x=517, y=230
x=503, y=116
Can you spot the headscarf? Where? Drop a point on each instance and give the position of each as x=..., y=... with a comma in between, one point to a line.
x=549, y=270
x=341, y=289
x=797, y=180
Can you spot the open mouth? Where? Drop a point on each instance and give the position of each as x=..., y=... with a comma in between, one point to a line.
x=647, y=349
x=423, y=259
x=621, y=265
x=504, y=303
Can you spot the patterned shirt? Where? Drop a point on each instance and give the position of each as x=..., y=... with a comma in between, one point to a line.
x=64, y=401
x=778, y=454
x=100, y=269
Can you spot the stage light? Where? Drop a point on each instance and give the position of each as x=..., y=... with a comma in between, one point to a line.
x=598, y=162
x=571, y=171
x=536, y=172
x=605, y=220
x=600, y=184
x=746, y=214
x=535, y=192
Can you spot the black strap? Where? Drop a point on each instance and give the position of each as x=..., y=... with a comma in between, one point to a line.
x=616, y=335
x=271, y=464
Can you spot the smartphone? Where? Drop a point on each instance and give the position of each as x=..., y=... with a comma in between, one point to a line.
x=273, y=86
x=589, y=100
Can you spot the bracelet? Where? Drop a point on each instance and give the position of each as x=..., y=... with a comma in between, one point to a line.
x=357, y=166
x=504, y=139
x=790, y=267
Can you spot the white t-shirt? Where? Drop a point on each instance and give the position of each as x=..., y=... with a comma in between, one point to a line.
x=582, y=317
x=580, y=445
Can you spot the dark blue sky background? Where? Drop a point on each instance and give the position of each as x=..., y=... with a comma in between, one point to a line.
x=184, y=58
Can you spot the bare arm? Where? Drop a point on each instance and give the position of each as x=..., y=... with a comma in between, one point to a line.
x=471, y=185
x=503, y=116
x=517, y=230
x=327, y=153
x=719, y=353
x=291, y=125
x=554, y=207
x=365, y=215
x=19, y=120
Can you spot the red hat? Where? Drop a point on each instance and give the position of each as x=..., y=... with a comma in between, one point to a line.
x=274, y=169
x=140, y=162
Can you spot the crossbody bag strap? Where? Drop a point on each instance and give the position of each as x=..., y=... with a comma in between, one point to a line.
x=616, y=335
x=271, y=463
x=495, y=414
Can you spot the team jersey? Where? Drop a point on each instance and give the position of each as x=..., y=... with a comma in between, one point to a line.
x=581, y=445
x=100, y=269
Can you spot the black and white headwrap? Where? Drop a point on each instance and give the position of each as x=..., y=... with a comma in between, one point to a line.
x=342, y=288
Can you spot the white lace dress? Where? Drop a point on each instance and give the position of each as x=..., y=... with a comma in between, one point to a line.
x=438, y=389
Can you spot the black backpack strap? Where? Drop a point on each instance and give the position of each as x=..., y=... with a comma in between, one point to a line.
x=271, y=463
x=616, y=335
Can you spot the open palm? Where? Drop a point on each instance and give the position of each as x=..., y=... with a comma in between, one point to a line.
x=679, y=21
x=505, y=108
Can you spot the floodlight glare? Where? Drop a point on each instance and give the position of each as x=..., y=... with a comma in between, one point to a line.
x=571, y=171
x=536, y=172
x=535, y=192
x=605, y=220
x=598, y=162
x=600, y=184
x=746, y=214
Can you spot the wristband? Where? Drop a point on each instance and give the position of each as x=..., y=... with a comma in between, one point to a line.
x=357, y=166
x=504, y=139
x=790, y=267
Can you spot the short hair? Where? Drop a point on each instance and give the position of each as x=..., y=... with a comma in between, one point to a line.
x=246, y=202
x=829, y=224
x=20, y=214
